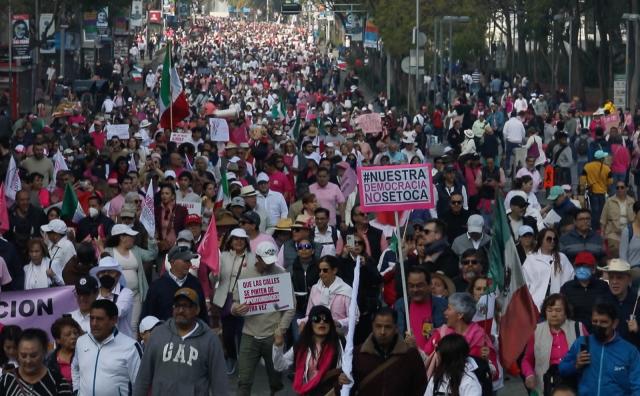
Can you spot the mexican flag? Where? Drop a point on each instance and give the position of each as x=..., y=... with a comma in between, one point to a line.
x=71, y=208
x=223, y=191
x=173, y=103
x=519, y=313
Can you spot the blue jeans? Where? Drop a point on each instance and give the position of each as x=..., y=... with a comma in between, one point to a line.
x=597, y=204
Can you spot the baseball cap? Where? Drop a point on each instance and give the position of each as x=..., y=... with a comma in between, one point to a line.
x=193, y=219
x=585, y=259
x=148, y=323
x=268, y=252
x=86, y=285
x=122, y=229
x=56, y=225
x=555, y=192
x=237, y=201
x=128, y=211
x=252, y=217
x=169, y=173
x=518, y=201
x=262, y=177
x=239, y=233
x=185, y=235
x=180, y=253
x=187, y=293
x=600, y=154
x=524, y=230
x=475, y=223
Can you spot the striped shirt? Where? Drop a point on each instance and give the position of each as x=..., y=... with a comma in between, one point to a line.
x=12, y=385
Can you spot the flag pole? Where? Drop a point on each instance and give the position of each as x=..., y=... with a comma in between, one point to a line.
x=402, y=274
x=170, y=93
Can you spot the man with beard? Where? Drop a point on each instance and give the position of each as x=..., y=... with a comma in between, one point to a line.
x=39, y=163
x=606, y=364
x=471, y=266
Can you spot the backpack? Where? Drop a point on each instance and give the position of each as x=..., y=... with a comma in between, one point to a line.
x=534, y=150
x=582, y=148
x=483, y=373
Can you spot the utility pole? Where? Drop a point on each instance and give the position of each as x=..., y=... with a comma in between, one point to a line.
x=63, y=39
x=417, y=54
x=35, y=63
x=11, y=88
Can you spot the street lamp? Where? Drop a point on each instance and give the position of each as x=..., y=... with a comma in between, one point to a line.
x=453, y=19
x=628, y=18
x=563, y=18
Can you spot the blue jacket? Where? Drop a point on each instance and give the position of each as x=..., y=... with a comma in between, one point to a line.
x=614, y=368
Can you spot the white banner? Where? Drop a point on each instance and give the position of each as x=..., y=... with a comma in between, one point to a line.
x=136, y=13
x=12, y=182
x=266, y=294
x=180, y=137
x=121, y=131
x=46, y=29
x=219, y=129
x=192, y=207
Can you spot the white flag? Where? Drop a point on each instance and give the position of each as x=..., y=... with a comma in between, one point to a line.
x=59, y=164
x=347, y=357
x=12, y=181
x=148, y=217
x=132, y=164
x=188, y=165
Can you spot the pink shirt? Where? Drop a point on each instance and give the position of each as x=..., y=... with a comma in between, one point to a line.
x=329, y=197
x=338, y=304
x=620, y=158
x=559, y=348
x=279, y=182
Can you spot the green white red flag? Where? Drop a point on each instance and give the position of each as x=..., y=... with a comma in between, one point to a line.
x=173, y=102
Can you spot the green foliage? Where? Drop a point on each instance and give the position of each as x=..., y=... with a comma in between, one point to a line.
x=396, y=19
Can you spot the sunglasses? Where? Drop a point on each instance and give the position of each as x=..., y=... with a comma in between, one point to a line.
x=325, y=270
x=550, y=239
x=319, y=319
x=302, y=246
x=360, y=243
x=456, y=202
x=466, y=262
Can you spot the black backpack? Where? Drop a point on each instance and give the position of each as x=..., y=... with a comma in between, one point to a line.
x=483, y=372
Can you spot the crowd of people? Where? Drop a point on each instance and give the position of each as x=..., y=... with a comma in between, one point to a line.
x=282, y=195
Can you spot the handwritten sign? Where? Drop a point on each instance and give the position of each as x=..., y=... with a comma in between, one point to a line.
x=610, y=121
x=395, y=188
x=180, y=138
x=266, y=293
x=121, y=131
x=192, y=207
x=370, y=123
x=219, y=129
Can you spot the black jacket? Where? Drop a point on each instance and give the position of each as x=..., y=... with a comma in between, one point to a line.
x=456, y=224
x=370, y=281
x=89, y=226
x=303, y=281
x=582, y=299
x=159, y=301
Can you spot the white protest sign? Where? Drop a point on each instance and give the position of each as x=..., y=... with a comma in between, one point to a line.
x=180, y=138
x=266, y=293
x=396, y=187
x=192, y=207
x=219, y=129
x=370, y=123
x=121, y=131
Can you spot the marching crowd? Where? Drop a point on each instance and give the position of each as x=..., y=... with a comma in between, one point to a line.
x=281, y=195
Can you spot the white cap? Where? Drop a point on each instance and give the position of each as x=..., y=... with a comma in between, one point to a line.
x=120, y=229
x=475, y=223
x=148, y=323
x=262, y=177
x=231, y=176
x=170, y=173
x=268, y=252
x=58, y=226
x=239, y=233
x=524, y=230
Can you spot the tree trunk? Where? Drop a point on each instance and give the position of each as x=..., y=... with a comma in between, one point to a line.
x=509, y=35
x=635, y=79
x=522, y=42
x=577, y=81
x=603, y=52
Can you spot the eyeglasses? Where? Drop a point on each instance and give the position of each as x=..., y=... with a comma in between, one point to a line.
x=456, y=202
x=319, y=319
x=360, y=243
x=550, y=239
x=302, y=246
x=325, y=270
x=428, y=231
x=620, y=187
x=466, y=262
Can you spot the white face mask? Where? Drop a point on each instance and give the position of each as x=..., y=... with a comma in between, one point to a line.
x=93, y=212
x=186, y=244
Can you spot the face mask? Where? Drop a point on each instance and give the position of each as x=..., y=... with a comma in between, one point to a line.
x=583, y=273
x=93, y=212
x=107, y=281
x=184, y=244
x=599, y=332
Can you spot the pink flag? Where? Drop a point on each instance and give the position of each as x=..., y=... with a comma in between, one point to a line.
x=208, y=249
x=4, y=213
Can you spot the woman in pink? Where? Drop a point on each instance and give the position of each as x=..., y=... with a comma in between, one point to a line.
x=332, y=292
x=620, y=159
x=459, y=315
x=549, y=343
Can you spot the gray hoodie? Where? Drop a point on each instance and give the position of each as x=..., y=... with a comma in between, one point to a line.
x=191, y=367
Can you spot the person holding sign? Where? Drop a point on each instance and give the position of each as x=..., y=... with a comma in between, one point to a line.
x=259, y=330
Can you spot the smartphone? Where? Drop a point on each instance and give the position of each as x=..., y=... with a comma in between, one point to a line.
x=351, y=240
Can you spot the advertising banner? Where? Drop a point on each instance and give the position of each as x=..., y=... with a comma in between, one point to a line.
x=20, y=36
x=46, y=30
x=135, y=20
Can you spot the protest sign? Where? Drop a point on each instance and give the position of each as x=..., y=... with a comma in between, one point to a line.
x=266, y=293
x=36, y=307
x=610, y=121
x=121, y=131
x=180, y=138
x=396, y=187
x=219, y=129
x=370, y=123
x=192, y=207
